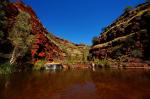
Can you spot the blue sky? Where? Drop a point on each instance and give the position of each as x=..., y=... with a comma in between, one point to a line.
x=78, y=20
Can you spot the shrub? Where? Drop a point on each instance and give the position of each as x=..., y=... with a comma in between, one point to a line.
x=2, y=18
x=6, y=68
x=129, y=42
x=104, y=63
x=39, y=65
x=85, y=54
x=95, y=41
x=146, y=17
x=137, y=53
x=104, y=29
x=2, y=14
x=128, y=8
x=89, y=57
x=4, y=2
x=1, y=35
x=118, y=53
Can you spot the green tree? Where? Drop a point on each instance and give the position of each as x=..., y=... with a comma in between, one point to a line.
x=20, y=36
x=3, y=3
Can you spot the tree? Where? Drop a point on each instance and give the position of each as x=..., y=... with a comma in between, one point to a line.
x=20, y=36
x=3, y=4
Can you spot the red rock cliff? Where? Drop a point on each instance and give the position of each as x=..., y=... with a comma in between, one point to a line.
x=42, y=48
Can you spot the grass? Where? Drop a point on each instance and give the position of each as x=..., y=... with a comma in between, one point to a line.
x=6, y=68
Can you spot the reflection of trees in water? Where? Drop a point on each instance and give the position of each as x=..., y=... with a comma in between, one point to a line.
x=4, y=83
x=38, y=84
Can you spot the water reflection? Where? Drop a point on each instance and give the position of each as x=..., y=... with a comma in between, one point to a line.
x=77, y=84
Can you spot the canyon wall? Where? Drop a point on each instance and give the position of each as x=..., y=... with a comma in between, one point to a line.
x=128, y=36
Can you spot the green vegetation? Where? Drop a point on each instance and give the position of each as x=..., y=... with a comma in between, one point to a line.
x=136, y=53
x=146, y=17
x=39, y=65
x=103, y=63
x=116, y=40
x=85, y=54
x=104, y=29
x=1, y=35
x=6, y=68
x=20, y=36
x=128, y=8
x=95, y=40
x=73, y=58
x=73, y=54
x=2, y=17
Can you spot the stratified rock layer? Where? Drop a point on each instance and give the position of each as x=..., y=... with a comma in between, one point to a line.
x=129, y=35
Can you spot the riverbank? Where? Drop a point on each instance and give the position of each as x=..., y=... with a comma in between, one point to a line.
x=122, y=63
x=131, y=63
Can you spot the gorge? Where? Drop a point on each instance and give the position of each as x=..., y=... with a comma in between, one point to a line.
x=36, y=64
x=26, y=43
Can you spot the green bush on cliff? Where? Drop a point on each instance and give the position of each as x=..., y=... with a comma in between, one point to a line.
x=136, y=53
x=1, y=35
x=128, y=8
x=146, y=17
x=6, y=68
x=2, y=18
x=39, y=65
x=4, y=2
x=104, y=29
x=95, y=40
x=2, y=14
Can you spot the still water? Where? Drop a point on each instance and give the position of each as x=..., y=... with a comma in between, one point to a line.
x=77, y=84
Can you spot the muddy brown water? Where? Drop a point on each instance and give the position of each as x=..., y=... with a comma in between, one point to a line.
x=77, y=84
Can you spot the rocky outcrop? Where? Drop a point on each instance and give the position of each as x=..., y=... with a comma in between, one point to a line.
x=128, y=36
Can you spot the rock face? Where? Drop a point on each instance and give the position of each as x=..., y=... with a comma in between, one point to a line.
x=128, y=36
x=42, y=47
x=28, y=40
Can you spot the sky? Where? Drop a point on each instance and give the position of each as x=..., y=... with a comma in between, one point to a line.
x=78, y=20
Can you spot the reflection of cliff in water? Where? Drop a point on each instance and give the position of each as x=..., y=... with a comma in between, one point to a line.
x=76, y=84
x=122, y=84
